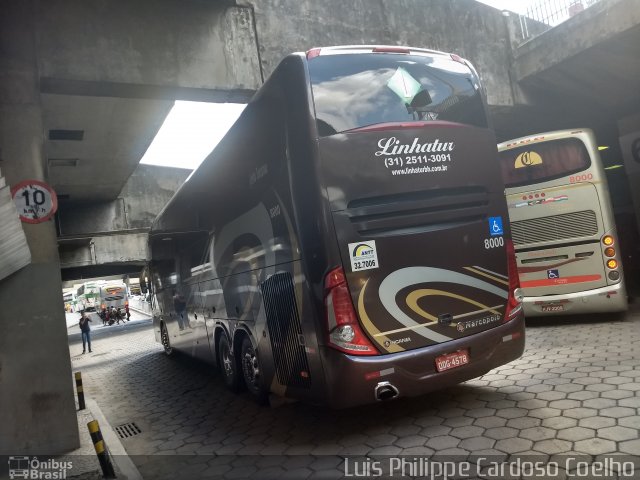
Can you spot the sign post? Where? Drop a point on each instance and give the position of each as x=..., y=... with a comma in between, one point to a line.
x=35, y=201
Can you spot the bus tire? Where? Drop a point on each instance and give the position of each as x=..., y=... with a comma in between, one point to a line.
x=228, y=365
x=252, y=371
x=164, y=337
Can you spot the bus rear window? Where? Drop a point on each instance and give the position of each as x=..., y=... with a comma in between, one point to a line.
x=362, y=89
x=542, y=162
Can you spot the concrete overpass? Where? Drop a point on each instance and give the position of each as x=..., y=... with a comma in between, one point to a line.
x=97, y=78
x=109, y=237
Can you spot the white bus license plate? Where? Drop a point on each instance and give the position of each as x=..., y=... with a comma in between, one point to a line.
x=552, y=308
x=452, y=360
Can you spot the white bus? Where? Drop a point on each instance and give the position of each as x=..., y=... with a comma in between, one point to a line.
x=69, y=299
x=88, y=296
x=113, y=294
x=562, y=224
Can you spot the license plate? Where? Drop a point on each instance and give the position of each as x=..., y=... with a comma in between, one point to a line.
x=452, y=360
x=552, y=308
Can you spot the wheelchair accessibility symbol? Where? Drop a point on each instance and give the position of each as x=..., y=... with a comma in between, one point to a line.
x=495, y=226
x=553, y=274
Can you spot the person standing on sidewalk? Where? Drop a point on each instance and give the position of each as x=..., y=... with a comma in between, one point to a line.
x=86, y=331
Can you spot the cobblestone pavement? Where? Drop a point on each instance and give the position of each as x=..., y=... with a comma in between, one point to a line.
x=575, y=391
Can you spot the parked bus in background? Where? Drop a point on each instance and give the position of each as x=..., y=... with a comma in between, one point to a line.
x=347, y=241
x=113, y=294
x=88, y=296
x=562, y=224
x=69, y=300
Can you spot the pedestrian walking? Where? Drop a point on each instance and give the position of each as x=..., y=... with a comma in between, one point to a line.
x=85, y=329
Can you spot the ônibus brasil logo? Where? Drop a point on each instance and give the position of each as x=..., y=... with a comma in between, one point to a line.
x=32, y=468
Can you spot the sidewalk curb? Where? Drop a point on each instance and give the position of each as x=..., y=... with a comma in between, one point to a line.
x=119, y=456
x=140, y=311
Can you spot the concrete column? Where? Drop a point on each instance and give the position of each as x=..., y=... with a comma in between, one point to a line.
x=37, y=408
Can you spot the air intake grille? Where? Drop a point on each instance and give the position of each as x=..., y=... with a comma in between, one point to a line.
x=285, y=331
x=556, y=227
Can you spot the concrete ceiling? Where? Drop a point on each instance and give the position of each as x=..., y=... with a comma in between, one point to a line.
x=115, y=133
x=604, y=79
x=590, y=82
x=585, y=71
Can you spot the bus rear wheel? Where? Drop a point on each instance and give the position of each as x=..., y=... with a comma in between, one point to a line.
x=228, y=364
x=252, y=372
x=164, y=337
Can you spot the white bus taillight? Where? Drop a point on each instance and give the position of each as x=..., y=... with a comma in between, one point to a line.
x=514, y=298
x=344, y=330
x=610, y=253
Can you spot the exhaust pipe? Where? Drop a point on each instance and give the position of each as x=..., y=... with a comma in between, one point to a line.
x=385, y=391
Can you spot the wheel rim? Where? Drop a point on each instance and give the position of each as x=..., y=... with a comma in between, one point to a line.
x=227, y=361
x=251, y=368
x=165, y=340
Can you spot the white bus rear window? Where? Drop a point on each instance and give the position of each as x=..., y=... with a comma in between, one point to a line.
x=543, y=162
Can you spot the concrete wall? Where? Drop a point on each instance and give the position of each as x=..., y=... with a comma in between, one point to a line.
x=106, y=249
x=115, y=232
x=145, y=193
x=212, y=46
x=37, y=408
x=189, y=44
x=468, y=28
x=594, y=26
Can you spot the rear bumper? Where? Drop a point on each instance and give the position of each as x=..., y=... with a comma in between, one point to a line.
x=351, y=380
x=607, y=299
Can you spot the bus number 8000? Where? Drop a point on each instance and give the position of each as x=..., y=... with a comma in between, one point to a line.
x=493, y=242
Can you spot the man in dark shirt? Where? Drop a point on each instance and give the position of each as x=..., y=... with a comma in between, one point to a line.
x=85, y=329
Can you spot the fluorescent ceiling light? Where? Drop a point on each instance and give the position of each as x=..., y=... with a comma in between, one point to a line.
x=190, y=132
x=613, y=167
x=602, y=147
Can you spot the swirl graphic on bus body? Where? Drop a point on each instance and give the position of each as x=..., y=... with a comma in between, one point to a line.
x=528, y=159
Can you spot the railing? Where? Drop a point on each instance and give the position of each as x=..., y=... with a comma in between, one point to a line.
x=545, y=14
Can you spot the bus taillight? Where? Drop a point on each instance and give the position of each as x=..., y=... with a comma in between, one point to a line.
x=313, y=53
x=458, y=58
x=344, y=330
x=514, y=298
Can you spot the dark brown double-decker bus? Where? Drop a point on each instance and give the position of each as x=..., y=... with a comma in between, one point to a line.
x=347, y=241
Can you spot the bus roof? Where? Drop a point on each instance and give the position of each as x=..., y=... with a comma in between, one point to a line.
x=542, y=137
x=335, y=50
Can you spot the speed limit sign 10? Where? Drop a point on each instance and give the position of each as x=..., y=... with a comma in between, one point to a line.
x=35, y=201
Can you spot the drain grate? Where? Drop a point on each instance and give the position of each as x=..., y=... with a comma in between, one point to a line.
x=128, y=430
